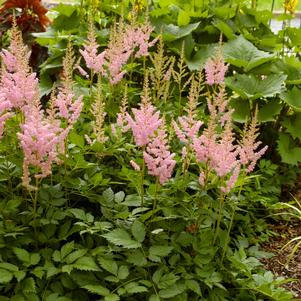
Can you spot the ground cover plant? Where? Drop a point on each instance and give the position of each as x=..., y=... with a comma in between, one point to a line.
x=127, y=169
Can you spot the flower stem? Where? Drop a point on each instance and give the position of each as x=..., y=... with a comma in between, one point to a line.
x=219, y=217
x=142, y=179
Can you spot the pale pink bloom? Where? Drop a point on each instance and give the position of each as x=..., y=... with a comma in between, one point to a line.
x=82, y=71
x=202, y=179
x=144, y=124
x=68, y=107
x=39, y=140
x=157, y=157
x=184, y=152
x=215, y=70
x=231, y=182
x=9, y=60
x=135, y=165
x=113, y=129
x=187, y=129
x=95, y=61
x=20, y=88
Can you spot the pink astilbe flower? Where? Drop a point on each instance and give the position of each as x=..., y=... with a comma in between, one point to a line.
x=248, y=152
x=39, y=140
x=216, y=69
x=18, y=83
x=135, y=165
x=157, y=157
x=145, y=122
x=94, y=61
x=146, y=119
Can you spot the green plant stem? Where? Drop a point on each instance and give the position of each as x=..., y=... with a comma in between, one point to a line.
x=272, y=9
x=142, y=179
x=91, y=83
x=157, y=187
x=219, y=217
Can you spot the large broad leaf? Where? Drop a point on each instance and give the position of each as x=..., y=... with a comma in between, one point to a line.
x=201, y=56
x=289, y=152
x=172, y=32
x=269, y=111
x=242, y=53
x=241, y=109
x=293, y=125
x=292, y=98
x=121, y=237
x=249, y=86
x=291, y=66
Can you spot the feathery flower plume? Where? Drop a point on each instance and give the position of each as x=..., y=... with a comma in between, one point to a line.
x=146, y=119
x=69, y=108
x=135, y=165
x=216, y=68
x=121, y=116
x=94, y=61
x=248, y=153
x=157, y=157
x=188, y=126
x=18, y=84
x=39, y=139
x=98, y=110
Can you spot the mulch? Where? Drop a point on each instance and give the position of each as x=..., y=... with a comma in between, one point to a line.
x=279, y=264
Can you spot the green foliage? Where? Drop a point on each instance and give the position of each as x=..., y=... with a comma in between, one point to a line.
x=101, y=230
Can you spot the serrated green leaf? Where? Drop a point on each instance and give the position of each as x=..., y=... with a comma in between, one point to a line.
x=289, y=152
x=20, y=275
x=251, y=87
x=112, y=297
x=56, y=256
x=154, y=298
x=5, y=276
x=194, y=286
x=155, y=252
x=67, y=268
x=75, y=255
x=35, y=258
x=108, y=195
x=78, y=213
x=38, y=272
x=170, y=292
x=138, y=230
x=97, y=289
x=123, y=272
x=292, y=98
x=134, y=288
x=22, y=255
x=293, y=125
x=67, y=249
x=167, y=280
x=242, y=53
x=137, y=258
x=119, y=196
x=86, y=264
x=121, y=237
x=29, y=285
x=109, y=265
x=8, y=266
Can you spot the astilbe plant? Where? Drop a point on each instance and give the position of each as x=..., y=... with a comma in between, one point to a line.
x=126, y=40
x=42, y=135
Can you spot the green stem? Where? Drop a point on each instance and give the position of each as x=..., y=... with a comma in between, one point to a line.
x=156, y=193
x=142, y=179
x=219, y=217
x=228, y=235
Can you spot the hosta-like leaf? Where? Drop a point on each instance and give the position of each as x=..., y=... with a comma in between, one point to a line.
x=269, y=111
x=241, y=109
x=292, y=98
x=251, y=87
x=289, y=152
x=121, y=237
x=242, y=53
x=172, y=32
x=293, y=125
